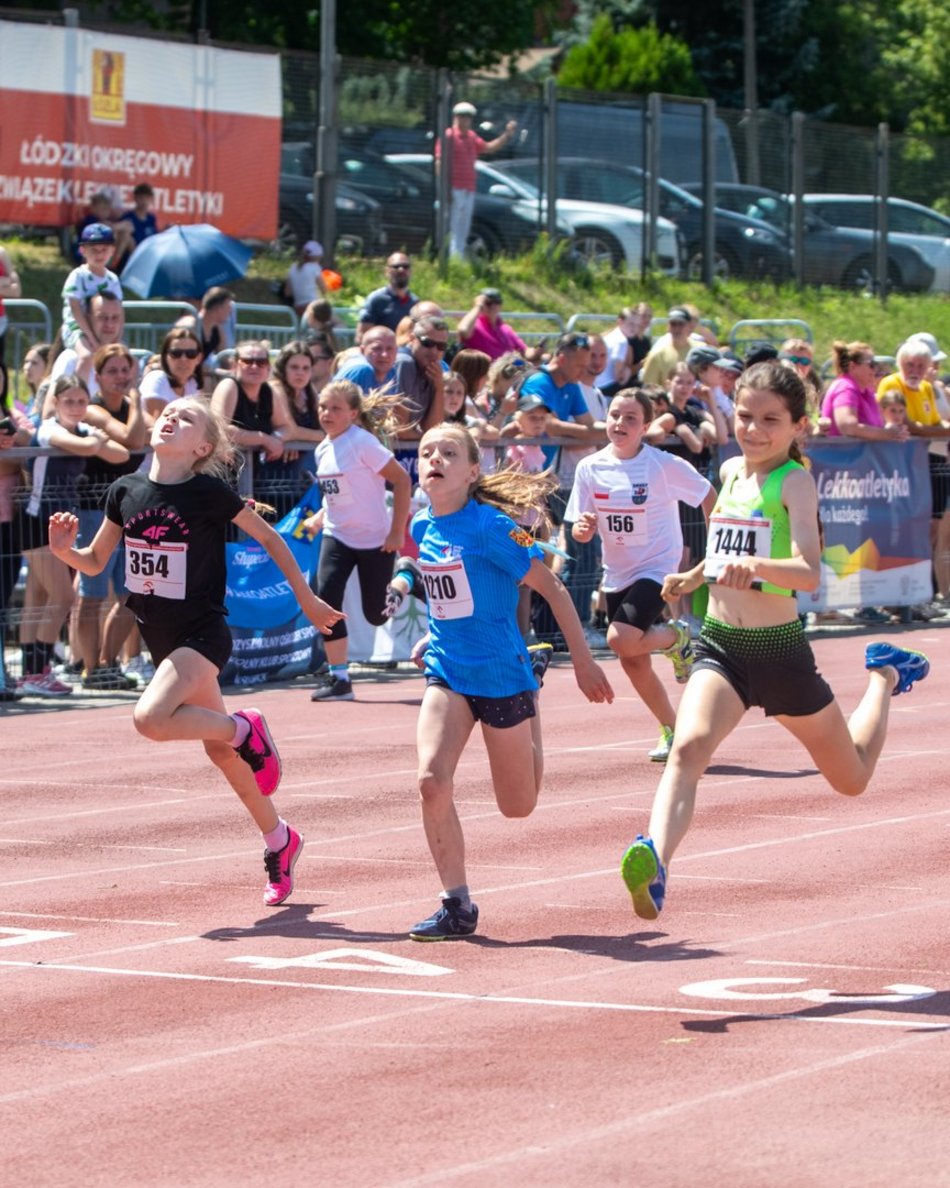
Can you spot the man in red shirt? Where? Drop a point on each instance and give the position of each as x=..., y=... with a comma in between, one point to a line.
x=464, y=147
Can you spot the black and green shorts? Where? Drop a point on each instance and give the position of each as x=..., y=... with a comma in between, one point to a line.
x=773, y=667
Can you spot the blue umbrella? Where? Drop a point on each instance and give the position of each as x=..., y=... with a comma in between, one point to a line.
x=185, y=262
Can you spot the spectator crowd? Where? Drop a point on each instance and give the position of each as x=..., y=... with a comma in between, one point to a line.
x=82, y=410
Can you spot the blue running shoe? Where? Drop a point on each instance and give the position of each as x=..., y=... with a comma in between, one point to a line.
x=909, y=666
x=645, y=876
x=450, y=922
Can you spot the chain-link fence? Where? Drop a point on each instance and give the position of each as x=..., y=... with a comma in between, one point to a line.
x=760, y=193
x=705, y=191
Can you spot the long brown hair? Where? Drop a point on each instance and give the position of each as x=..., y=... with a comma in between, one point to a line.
x=518, y=493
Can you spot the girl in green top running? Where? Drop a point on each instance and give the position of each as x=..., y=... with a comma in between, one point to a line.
x=764, y=544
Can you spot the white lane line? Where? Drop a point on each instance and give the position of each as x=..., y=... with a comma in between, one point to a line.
x=788, y=817
x=595, y=1137
x=885, y=969
x=74, y=845
x=93, y=919
x=482, y=999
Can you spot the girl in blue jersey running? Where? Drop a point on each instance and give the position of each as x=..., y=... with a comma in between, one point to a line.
x=764, y=544
x=473, y=557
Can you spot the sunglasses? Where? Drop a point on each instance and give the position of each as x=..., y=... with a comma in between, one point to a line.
x=801, y=360
x=401, y=267
x=442, y=347
x=577, y=342
x=513, y=367
x=184, y=353
x=254, y=360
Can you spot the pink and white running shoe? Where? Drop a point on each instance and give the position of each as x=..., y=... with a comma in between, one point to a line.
x=259, y=751
x=43, y=684
x=279, y=865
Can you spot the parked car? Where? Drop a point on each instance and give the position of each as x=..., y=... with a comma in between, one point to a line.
x=358, y=216
x=602, y=234
x=909, y=223
x=842, y=256
x=744, y=246
x=407, y=198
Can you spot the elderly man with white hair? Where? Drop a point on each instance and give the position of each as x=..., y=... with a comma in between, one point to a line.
x=916, y=368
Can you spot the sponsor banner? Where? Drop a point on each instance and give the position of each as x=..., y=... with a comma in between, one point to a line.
x=201, y=125
x=874, y=501
x=273, y=641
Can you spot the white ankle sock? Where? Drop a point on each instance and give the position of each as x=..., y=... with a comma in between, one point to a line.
x=279, y=837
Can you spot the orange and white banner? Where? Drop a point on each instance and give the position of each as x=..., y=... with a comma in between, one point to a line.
x=84, y=111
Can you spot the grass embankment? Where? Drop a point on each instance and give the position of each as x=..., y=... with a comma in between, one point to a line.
x=536, y=282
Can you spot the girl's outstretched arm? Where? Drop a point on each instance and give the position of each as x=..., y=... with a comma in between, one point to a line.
x=591, y=679
x=63, y=528
x=317, y=611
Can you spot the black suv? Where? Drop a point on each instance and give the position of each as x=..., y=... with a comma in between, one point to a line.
x=744, y=246
x=406, y=195
x=358, y=217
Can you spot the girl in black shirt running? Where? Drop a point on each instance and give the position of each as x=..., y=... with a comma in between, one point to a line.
x=174, y=522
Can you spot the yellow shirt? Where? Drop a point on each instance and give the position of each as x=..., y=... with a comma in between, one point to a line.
x=921, y=405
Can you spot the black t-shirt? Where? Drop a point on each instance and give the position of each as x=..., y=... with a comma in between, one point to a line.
x=174, y=535
x=692, y=414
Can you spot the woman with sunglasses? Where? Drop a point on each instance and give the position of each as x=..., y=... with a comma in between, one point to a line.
x=178, y=372
x=259, y=420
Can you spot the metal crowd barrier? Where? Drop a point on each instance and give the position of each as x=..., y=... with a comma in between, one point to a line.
x=147, y=322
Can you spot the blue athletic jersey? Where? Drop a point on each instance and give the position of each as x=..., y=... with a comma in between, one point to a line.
x=473, y=561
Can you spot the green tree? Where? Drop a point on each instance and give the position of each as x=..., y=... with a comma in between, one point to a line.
x=426, y=32
x=631, y=60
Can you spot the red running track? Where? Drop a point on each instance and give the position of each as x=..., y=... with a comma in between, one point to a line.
x=784, y=1023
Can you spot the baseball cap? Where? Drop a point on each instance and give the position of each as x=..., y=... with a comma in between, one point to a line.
x=702, y=356
x=312, y=248
x=731, y=363
x=493, y=295
x=530, y=401
x=678, y=314
x=931, y=343
x=761, y=353
x=97, y=233
x=464, y=109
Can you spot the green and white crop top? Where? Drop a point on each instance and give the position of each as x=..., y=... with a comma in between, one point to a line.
x=751, y=525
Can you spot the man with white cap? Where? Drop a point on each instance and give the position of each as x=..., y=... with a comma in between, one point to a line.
x=463, y=147
x=305, y=279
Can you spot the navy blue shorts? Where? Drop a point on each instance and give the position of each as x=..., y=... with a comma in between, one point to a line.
x=773, y=667
x=500, y=712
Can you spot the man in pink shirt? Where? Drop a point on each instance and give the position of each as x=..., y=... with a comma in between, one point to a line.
x=464, y=147
x=482, y=329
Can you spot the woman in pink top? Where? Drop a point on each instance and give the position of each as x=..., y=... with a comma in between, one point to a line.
x=850, y=404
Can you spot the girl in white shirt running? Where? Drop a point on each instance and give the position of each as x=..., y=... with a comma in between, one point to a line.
x=630, y=493
x=359, y=532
